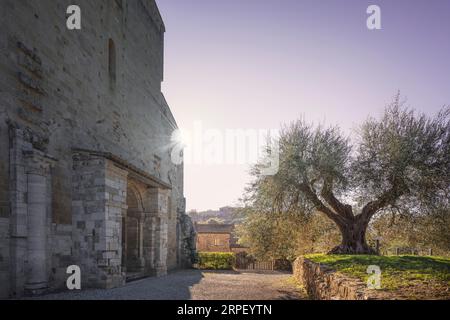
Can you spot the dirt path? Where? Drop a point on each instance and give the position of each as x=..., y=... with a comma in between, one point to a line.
x=197, y=285
x=246, y=286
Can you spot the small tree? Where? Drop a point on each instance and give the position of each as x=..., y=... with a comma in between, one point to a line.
x=401, y=160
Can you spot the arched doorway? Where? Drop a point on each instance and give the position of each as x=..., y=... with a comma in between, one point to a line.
x=132, y=235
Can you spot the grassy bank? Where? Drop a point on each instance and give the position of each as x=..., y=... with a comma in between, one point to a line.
x=397, y=272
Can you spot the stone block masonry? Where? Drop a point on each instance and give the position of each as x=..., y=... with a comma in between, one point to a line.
x=323, y=283
x=85, y=170
x=98, y=206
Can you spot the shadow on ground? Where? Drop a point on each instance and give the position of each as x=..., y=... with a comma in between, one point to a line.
x=195, y=284
x=175, y=286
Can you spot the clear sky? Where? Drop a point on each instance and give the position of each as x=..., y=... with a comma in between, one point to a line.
x=255, y=64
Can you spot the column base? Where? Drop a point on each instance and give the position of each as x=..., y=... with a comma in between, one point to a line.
x=36, y=289
x=156, y=271
x=161, y=271
x=115, y=281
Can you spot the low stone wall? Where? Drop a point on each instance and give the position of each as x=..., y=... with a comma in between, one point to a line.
x=322, y=283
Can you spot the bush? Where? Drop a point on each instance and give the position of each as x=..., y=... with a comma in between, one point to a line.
x=216, y=260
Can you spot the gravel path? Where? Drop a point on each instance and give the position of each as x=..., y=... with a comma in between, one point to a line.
x=197, y=285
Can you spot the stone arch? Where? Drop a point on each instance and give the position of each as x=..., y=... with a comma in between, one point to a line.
x=134, y=197
x=132, y=232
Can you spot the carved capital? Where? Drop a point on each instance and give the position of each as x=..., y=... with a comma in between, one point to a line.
x=38, y=162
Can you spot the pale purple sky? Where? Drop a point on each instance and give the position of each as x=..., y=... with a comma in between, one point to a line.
x=259, y=63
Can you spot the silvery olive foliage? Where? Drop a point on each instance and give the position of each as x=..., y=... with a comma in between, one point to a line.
x=399, y=161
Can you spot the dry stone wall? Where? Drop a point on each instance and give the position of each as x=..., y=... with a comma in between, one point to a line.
x=323, y=283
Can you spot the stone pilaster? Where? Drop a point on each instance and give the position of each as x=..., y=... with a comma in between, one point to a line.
x=161, y=258
x=98, y=206
x=18, y=220
x=116, y=208
x=156, y=223
x=140, y=239
x=30, y=194
x=38, y=176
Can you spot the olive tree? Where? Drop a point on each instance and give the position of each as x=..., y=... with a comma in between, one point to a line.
x=401, y=160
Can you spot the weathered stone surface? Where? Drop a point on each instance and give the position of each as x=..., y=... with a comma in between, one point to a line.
x=58, y=95
x=187, y=240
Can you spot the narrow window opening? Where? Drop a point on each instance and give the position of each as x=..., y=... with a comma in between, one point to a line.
x=112, y=63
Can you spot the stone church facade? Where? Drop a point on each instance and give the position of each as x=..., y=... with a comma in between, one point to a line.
x=85, y=143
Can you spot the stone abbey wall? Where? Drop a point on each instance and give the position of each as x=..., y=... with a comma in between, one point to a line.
x=84, y=108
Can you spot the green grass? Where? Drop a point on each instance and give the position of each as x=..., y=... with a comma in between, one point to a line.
x=396, y=271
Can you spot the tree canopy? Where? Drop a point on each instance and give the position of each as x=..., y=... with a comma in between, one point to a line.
x=399, y=161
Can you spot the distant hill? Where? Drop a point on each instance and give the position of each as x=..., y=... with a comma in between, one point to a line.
x=223, y=215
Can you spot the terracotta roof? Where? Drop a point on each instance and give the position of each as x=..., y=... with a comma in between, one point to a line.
x=214, y=228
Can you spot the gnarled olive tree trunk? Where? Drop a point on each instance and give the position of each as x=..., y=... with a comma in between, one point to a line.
x=353, y=227
x=353, y=232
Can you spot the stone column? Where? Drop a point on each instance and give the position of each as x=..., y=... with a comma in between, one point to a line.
x=161, y=257
x=141, y=241
x=123, y=244
x=37, y=216
x=38, y=174
x=148, y=243
x=155, y=231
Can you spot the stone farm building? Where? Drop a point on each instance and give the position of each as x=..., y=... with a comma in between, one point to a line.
x=85, y=133
x=213, y=237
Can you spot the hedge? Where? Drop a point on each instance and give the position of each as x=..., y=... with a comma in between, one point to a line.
x=216, y=260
